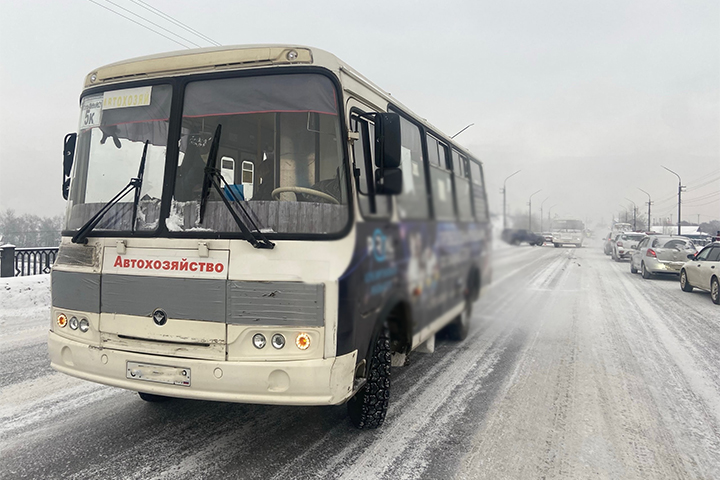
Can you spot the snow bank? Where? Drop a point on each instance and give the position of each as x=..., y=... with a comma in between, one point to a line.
x=19, y=293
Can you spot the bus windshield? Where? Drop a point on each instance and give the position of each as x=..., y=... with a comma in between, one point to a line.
x=114, y=126
x=560, y=225
x=280, y=154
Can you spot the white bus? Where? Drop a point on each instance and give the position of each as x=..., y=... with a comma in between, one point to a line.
x=568, y=232
x=260, y=224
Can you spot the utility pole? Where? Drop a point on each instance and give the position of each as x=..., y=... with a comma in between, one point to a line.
x=504, y=190
x=680, y=190
x=541, y=214
x=530, y=210
x=649, y=202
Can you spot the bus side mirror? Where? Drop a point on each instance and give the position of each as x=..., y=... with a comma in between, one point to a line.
x=68, y=157
x=389, y=181
x=388, y=139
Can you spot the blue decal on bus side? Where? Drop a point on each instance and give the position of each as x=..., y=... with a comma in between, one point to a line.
x=425, y=264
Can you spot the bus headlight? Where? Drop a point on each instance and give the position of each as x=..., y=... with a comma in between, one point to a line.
x=302, y=341
x=84, y=325
x=73, y=323
x=62, y=320
x=278, y=341
x=259, y=340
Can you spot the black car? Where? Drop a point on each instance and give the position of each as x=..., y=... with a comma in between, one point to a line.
x=518, y=236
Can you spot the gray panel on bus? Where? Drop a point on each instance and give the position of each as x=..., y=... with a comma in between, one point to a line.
x=181, y=298
x=275, y=303
x=76, y=290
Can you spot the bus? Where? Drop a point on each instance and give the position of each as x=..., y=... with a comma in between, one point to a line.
x=568, y=232
x=260, y=224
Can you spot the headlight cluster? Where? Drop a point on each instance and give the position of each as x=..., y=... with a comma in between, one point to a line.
x=302, y=341
x=83, y=324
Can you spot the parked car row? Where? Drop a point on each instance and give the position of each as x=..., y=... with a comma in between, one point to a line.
x=653, y=254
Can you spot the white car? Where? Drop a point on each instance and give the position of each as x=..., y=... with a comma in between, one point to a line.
x=703, y=272
x=625, y=244
x=661, y=254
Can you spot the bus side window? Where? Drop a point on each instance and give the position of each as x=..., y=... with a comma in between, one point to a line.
x=413, y=201
x=363, y=153
x=441, y=180
x=462, y=187
x=478, y=189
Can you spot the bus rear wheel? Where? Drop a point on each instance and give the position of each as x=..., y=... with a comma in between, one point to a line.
x=459, y=328
x=149, y=397
x=368, y=407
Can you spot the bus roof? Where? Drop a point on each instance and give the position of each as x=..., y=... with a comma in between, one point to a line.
x=237, y=57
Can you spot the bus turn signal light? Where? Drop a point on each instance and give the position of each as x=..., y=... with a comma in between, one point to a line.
x=303, y=341
x=62, y=320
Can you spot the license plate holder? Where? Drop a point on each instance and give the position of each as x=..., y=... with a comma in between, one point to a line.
x=166, y=374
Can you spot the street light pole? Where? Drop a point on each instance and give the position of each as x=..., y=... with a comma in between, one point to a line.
x=649, y=203
x=541, y=214
x=530, y=210
x=549, y=219
x=626, y=212
x=634, y=213
x=504, y=189
x=680, y=189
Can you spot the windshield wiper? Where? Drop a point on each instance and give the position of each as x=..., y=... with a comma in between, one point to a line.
x=135, y=183
x=213, y=178
x=138, y=184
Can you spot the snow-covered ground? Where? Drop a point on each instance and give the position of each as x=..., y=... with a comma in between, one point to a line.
x=574, y=368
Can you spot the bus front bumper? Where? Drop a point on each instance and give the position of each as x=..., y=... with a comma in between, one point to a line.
x=325, y=381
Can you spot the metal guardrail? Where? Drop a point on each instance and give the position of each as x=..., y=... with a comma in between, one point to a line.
x=16, y=262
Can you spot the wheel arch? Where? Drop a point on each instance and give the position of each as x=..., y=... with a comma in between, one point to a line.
x=398, y=315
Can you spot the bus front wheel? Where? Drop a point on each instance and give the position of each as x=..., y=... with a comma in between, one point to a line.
x=368, y=407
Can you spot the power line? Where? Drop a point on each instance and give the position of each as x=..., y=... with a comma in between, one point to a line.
x=138, y=23
x=152, y=23
x=707, y=182
x=704, y=177
x=173, y=20
x=708, y=203
x=703, y=197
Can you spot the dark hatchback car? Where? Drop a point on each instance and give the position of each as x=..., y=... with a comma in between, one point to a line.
x=518, y=236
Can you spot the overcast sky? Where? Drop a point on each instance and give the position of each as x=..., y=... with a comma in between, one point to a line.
x=587, y=98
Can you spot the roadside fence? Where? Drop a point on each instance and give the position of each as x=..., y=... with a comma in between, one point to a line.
x=16, y=262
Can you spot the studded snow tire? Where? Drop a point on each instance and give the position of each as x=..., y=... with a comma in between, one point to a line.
x=368, y=407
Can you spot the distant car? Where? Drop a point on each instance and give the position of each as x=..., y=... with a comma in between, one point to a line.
x=624, y=244
x=661, y=254
x=699, y=239
x=702, y=271
x=607, y=246
x=547, y=236
x=516, y=237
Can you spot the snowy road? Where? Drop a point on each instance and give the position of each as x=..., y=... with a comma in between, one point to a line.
x=574, y=368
